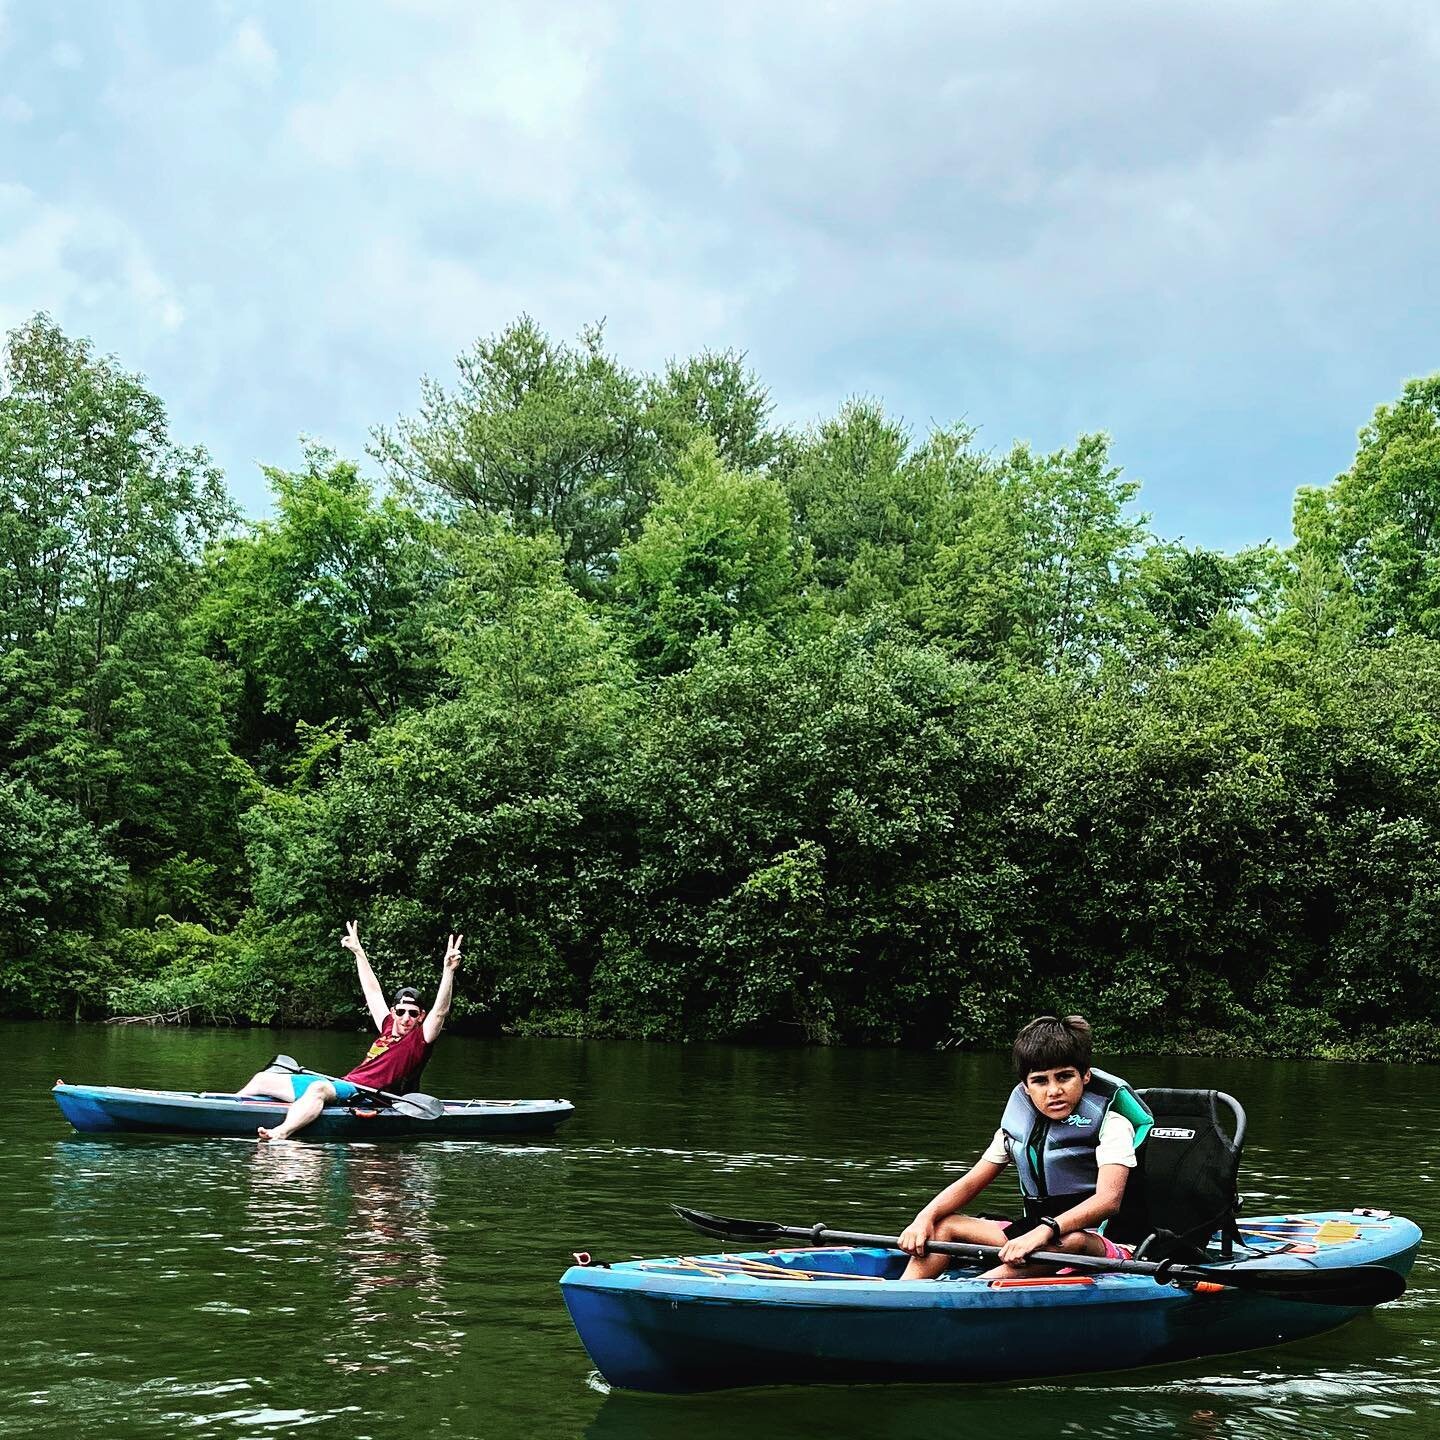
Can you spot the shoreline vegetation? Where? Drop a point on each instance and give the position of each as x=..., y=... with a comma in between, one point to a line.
x=705, y=728
x=1405, y=1043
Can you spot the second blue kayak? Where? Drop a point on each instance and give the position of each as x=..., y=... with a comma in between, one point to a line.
x=96, y=1109
x=784, y=1317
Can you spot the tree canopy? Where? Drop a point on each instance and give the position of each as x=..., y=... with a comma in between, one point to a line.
x=702, y=726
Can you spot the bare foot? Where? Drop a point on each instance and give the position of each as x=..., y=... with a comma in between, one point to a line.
x=265, y=1134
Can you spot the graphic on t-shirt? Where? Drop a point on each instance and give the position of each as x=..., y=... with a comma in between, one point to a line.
x=393, y=1062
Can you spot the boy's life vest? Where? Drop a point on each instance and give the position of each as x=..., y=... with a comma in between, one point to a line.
x=1055, y=1162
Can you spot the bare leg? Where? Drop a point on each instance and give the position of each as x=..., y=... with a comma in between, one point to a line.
x=302, y=1111
x=960, y=1230
x=274, y=1083
x=1081, y=1242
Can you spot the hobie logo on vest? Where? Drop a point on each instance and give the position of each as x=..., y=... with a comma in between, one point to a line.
x=1078, y=1119
x=1170, y=1132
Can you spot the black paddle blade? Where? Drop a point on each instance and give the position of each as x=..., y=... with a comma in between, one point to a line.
x=1359, y=1285
x=725, y=1227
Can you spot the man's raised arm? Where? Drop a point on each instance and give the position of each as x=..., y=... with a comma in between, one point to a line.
x=374, y=995
x=435, y=1020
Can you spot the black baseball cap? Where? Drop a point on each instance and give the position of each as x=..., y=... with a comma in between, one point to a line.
x=407, y=992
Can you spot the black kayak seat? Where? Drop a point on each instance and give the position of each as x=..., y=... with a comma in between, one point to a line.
x=1183, y=1189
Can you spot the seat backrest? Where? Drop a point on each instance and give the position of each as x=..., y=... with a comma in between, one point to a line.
x=1183, y=1188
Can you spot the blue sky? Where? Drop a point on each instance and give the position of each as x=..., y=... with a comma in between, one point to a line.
x=1207, y=228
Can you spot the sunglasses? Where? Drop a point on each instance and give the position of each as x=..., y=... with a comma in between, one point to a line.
x=408, y=1010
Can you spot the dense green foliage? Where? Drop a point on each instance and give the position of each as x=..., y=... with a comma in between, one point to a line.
x=700, y=727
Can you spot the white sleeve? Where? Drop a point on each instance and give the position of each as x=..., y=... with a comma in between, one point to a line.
x=997, y=1154
x=1116, y=1144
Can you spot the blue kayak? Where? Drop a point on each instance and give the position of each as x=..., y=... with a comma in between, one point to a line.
x=96, y=1109
x=785, y=1317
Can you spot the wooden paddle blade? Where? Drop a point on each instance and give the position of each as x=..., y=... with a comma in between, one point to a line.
x=419, y=1107
x=725, y=1227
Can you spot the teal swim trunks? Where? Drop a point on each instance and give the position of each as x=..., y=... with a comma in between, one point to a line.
x=344, y=1090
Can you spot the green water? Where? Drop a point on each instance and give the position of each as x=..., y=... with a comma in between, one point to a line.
x=222, y=1288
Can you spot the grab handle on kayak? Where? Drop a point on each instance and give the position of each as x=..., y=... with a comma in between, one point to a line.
x=1018, y=1282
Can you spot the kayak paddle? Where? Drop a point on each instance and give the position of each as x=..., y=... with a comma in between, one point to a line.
x=416, y=1105
x=1351, y=1285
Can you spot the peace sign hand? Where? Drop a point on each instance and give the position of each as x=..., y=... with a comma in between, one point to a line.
x=452, y=952
x=351, y=939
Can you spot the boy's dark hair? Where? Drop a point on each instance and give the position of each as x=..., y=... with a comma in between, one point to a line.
x=1048, y=1042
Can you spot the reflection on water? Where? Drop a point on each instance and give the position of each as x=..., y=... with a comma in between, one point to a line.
x=1250, y=1402
x=378, y=1206
x=221, y=1288
x=232, y=1276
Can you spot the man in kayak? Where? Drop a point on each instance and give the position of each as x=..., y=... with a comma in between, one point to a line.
x=1071, y=1132
x=394, y=1062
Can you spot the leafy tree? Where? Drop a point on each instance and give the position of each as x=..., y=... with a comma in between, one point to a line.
x=1030, y=561
x=928, y=531
x=181, y=968
x=102, y=520
x=816, y=851
x=99, y=511
x=713, y=394
x=551, y=438
x=1077, y=552
x=176, y=789
x=1207, y=849
x=1367, y=552
x=1316, y=606
x=847, y=488
x=57, y=882
x=518, y=640
x=325, y=609
x=715, y=551
x=1193, y=600
x=702, y=728
x=969, y=592
x=486, y=812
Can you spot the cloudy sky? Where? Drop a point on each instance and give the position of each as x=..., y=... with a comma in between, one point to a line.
x=1208, y=228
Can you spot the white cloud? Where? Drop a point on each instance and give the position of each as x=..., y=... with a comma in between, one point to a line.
x=499, y=105
x=83, y=264
x=1052, y=211
x=250, y=52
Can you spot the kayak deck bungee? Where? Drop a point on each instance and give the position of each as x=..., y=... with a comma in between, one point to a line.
x=99, y=1109
x=841, y=1315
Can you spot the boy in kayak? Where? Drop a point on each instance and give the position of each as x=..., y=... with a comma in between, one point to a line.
x=394, y=1062
x=1071, y=1132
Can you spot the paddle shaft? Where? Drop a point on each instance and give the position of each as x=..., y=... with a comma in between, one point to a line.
x=1184, y=1274
x=1357, y=1285
x=416, y=1100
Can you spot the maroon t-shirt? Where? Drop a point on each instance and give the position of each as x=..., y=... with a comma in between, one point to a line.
x=392, y=1064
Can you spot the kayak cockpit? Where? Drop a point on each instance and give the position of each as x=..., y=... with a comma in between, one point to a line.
x=1300, y=1237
